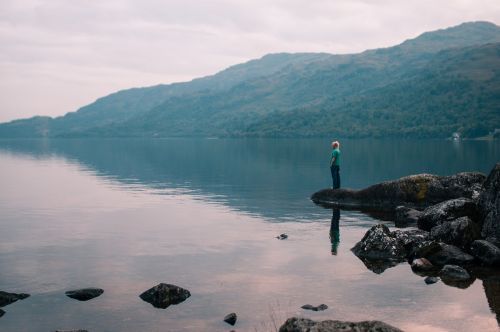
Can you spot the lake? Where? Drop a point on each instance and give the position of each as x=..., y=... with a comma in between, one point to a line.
x=203, y=214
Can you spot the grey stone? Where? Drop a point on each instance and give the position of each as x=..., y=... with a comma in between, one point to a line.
x=454, y=273
x=231, y=318
x=163, y=295
x=422, y=264
x=416, y=191
x=8, y=298
x=406, y=216
x=487, y=253
x=460, y=232
x=321, y=307
x=441, y=254
x=282, y=236
x=84, y=294
x=448, y=210
x=489, y=206
x=306, y=325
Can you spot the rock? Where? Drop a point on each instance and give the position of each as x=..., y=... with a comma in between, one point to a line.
x=454, y=273
x=306, y=325
x=416, y=191
x=422, y=264
x=231, y=318
x=2, y=312
x=459, y=232
x=431, y=280
x=282, y=236
x=164, y=295
x=84, y=294
x=448, y=210
x=8, y=298
x=486, y=252
x=380, y=243
x=492, y=290
x=489, y=207
x=406, y=216
x=441, y=254
x=321, y=307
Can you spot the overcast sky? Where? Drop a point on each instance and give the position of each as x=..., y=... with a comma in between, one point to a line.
x=59, y=55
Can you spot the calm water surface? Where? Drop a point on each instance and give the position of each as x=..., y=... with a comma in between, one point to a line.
x=125, y=215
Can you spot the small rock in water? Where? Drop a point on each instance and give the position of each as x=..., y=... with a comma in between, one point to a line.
x=231, y=318
x=163, y=295
x=2, y=312
x=8, y=298
x=321, y=307
x=431, y=280
x=282, y=237
x=84, y=294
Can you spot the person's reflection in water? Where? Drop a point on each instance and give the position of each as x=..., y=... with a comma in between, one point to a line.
x=334, y=230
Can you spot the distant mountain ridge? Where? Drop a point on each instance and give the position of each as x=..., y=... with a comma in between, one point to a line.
x=441, y=82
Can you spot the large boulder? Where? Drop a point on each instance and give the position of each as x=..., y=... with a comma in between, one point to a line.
x=440, y=254
x=8, y=298
x=491, y=287
x=459, y=232
x=448, y=210
x=380, y=248
x=164, y=295
x=487, y=253
x=489, y=206
x=456, y=276
x=306, y=325
x=417, y=191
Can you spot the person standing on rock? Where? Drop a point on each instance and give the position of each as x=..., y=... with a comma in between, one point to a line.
x=335, y=164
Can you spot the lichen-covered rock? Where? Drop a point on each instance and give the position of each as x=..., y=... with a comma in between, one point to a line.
x=306, y=325
x=8, y=298
x=84, y=294
x=487, y=253
x=448, y=210
x=460, y=232
x=441, y=254
x=489, y=206
x=164, y=295
x=406, y=216
x=417, y=191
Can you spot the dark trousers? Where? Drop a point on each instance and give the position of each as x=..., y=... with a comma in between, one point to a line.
x=335, y=176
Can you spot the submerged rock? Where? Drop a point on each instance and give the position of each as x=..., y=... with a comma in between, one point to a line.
x=422, y=265
x=487, y=253
x=406, y=216
x=321, y=307
x=8, y=298
x=2, y=312
x=84, y=294
x=163, y=295
x=451, y=209
x=306, y=325
x=231, y=318
x=460, y=232
x=489, y=207
x=431, y=280
x=417, y=191
x=441, y=254
x=282, y=236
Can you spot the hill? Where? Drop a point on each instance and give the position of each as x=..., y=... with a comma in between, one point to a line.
x=438, y=83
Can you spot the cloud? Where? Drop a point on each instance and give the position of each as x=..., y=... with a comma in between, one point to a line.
x=58, y=55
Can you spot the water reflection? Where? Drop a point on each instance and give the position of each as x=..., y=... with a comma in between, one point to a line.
x=335, y=230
